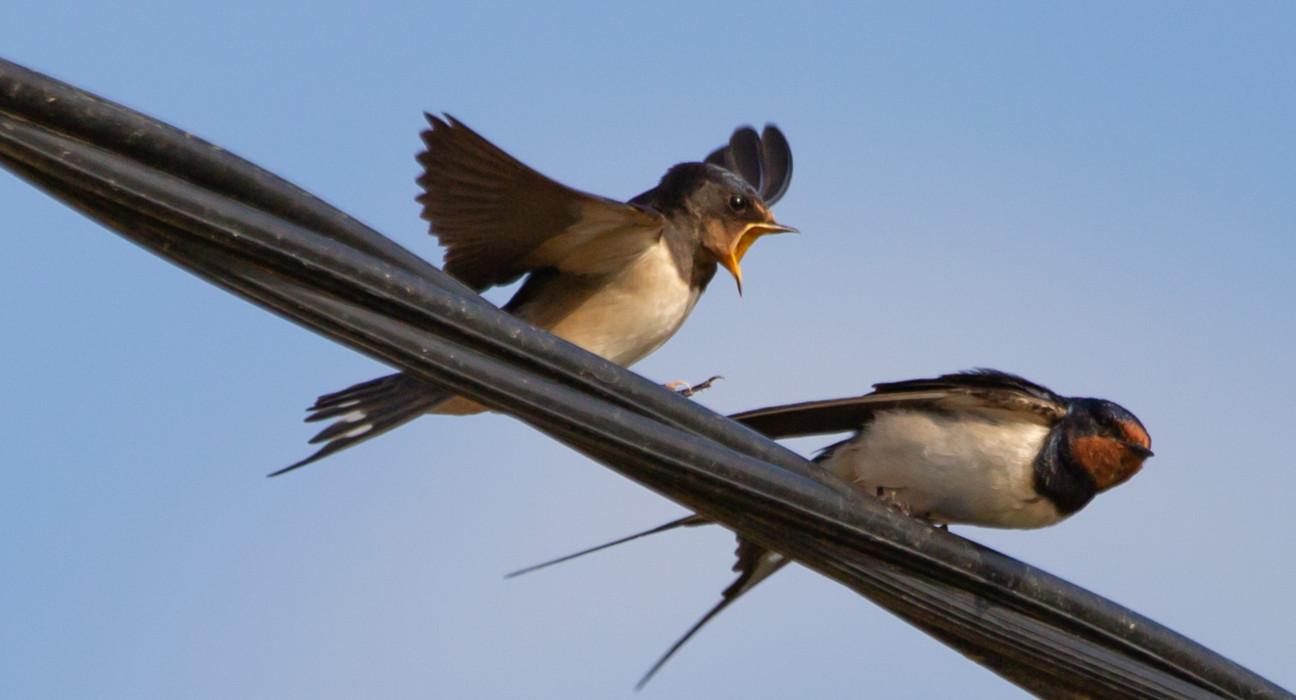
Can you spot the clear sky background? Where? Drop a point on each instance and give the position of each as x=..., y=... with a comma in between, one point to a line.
x=1101, y=198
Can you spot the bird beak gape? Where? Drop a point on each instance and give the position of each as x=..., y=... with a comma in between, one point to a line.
x=744, y=240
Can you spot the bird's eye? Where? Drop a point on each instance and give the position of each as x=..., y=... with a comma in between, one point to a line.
x=738, y=203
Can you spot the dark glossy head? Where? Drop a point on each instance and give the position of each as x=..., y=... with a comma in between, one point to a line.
x=717, y=206
x=1106, y=440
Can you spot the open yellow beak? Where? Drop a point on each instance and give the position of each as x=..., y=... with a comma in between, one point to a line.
x=744, y=240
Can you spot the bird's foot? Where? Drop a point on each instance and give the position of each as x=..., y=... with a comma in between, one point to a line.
x=686, y=390
x=892, y=498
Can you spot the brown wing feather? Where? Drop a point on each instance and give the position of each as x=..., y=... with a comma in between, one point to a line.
x=986, y=390
x=983, y=391
x=499, y=219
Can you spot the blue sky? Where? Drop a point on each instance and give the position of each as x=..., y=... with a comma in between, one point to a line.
x=1097, y=197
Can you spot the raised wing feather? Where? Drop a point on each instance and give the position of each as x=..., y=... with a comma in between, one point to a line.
x=777, y=160
x=764, y=161
x=499, y=219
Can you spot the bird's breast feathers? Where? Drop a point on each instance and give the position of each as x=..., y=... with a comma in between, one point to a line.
x=952, y=468
x=624, y=316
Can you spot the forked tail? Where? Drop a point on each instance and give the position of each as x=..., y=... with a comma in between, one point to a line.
x=368, y=410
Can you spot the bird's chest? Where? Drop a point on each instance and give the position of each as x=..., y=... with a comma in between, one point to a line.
x=951, y=468
x=623, y=316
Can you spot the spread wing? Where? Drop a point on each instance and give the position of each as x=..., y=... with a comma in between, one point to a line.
x=764, y=161
x=499, y=219
x=982, y=390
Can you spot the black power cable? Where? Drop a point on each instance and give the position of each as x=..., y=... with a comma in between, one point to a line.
x=258, y=236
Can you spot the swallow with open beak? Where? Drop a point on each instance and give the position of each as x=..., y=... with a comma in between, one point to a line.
x=976, y=448
x=617, y=279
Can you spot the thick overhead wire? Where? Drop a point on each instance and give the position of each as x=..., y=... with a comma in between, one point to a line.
x=258, y=236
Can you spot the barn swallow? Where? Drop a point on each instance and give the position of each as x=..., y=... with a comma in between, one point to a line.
x=617, y=279
x=976, y=448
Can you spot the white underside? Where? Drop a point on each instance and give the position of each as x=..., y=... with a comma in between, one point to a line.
x=965, y=468
x=634, y=313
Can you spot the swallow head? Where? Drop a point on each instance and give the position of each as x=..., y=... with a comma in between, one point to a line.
x=720, y=209
x=1107, y=441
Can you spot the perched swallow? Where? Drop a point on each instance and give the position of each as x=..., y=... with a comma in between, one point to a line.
x=978, y=448
x=617, y=279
